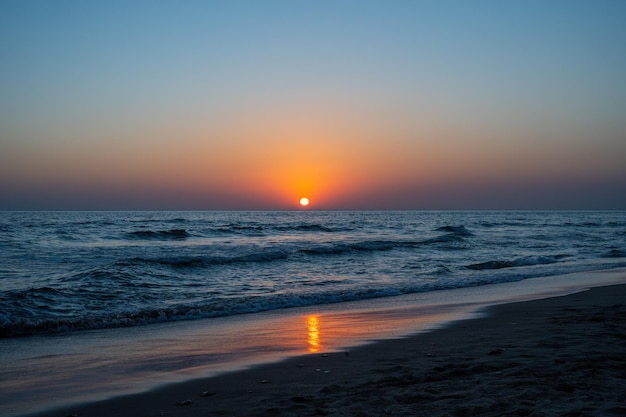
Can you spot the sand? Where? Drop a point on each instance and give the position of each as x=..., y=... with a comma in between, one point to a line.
x=562, y=356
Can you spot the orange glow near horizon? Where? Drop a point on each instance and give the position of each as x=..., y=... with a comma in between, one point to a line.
x=271, y=158
x=286, y=154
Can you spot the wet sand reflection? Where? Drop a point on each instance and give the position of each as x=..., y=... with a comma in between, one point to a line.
x=313, y=329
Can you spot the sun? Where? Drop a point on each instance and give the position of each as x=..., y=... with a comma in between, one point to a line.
x=304, y=201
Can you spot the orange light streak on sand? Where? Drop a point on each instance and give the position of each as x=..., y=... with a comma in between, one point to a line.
x=313, y=332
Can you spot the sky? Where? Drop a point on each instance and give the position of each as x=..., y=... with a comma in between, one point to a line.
x=251, y=105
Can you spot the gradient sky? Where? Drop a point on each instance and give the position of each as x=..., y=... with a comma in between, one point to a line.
x=354, y=104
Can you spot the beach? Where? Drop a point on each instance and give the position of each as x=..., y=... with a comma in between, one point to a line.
x=562, y=355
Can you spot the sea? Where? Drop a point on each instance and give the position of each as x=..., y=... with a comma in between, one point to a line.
x=95, y=305
x=77, y=271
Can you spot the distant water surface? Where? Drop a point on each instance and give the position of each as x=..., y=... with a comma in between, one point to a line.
x=73, y=271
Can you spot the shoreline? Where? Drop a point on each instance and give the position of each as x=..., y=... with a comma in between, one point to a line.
x=543, y=357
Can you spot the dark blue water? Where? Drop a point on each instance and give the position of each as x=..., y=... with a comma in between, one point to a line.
x=71, y=271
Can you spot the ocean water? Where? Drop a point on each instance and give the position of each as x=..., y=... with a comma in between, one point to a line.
x=74, y=271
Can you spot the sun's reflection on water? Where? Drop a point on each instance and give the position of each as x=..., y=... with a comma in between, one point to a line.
x=313, y=329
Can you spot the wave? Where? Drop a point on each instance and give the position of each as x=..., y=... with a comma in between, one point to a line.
x=283, y=252
x=18, y=325
x=454, y=238
x=491, y=265
x=222, y=306
x=363, y=246
x=457, y=230
x=216, y=307
x=614, y=253
x=259, y=229
x=238, y=229
x=206, y=261
x=36, y=293
x=253, y=255
x=95, y=223
x=259, y=255
x=305, y=228
x=172, y=234
x=525, y=261
x=244, y=255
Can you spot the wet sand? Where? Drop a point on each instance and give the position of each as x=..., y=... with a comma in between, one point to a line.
x=552, y=357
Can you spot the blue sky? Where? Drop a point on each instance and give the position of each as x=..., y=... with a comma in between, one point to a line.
x=108, y=104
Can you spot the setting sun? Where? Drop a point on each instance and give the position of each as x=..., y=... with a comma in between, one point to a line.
x=304, y=201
